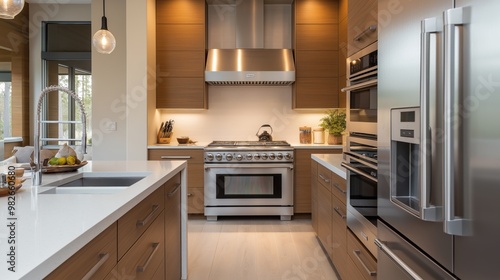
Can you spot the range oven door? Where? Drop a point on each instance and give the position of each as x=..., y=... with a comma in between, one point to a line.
x=249, y=184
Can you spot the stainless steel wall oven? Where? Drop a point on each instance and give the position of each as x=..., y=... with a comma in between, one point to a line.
x=361, y=165
x=362, y=90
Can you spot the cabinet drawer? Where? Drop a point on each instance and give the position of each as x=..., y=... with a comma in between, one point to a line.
x=364, y=261
x=325, y=177
x=339, y=188
x=133, y=224
x=325, y=218
x=196, y=200
x=100, y=254
x=147, y=254
x=191, y=155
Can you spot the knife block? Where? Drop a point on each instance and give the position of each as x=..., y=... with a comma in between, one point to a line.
x=165, y=140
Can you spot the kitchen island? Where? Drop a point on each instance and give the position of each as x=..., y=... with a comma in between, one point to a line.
x=50, y=228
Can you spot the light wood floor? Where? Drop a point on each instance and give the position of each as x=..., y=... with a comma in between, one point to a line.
x=261, y=248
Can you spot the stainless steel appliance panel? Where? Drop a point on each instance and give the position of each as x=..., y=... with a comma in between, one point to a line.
x=399, y=86
x=403, y=260
x=476, y=255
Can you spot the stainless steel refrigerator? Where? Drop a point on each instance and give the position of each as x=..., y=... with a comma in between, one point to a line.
x=439, y=139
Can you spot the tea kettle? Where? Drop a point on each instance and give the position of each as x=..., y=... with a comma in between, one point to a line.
x=265, y=136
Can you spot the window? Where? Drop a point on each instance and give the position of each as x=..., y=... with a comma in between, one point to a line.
x=66, y=55
x=5, y=94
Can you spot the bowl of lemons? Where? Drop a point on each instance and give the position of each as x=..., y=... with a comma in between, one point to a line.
x=65, y=160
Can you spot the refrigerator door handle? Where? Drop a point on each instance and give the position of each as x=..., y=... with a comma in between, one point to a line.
x=453, y=160
x=428, y=212
x=397, y=260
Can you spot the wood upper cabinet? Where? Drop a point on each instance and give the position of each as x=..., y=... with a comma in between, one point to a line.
x=180, y=54
x=316, y=44
x=361, y=24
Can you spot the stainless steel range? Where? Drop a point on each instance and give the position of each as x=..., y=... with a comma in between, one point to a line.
x=248, y=178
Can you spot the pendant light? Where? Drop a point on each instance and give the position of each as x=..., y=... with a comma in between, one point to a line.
x=103, y=40
x=10, y=8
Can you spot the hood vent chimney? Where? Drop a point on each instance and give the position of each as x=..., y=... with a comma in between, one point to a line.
x=249, y=63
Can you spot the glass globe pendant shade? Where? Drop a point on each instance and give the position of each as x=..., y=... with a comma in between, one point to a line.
x=104, y=41
x=10, y=8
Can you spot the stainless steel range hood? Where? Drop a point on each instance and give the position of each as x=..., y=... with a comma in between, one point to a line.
x=250, y=63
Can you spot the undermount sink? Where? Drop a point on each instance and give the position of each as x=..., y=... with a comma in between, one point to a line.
x=88, y=184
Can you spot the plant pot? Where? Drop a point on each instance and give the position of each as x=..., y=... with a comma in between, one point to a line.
x=334, y=139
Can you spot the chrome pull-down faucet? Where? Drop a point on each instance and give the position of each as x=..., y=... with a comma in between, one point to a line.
x=37, y=170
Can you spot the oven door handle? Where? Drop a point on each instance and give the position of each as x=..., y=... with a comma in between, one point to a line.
x=363, y=159
x=362, y=85
x=357, y=171
x=250, y=166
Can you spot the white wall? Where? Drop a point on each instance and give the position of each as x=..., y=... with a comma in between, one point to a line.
x=236, y=113
x=39, y=13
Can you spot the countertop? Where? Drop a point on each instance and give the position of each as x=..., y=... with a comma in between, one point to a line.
x=50, y=228
x=332, y=162
x=202, y=145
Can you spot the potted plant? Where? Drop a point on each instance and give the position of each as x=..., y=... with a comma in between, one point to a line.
x=335, y=123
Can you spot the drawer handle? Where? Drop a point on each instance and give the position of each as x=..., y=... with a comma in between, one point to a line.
x=339, y=188
x=189, y=194
x=371, y=28
x=357, y=253
x=141, y=223
x=174, y=191
x=175, y=157
x=142, y=268
x=324, y=179
x=103, y=257
x=338, y=212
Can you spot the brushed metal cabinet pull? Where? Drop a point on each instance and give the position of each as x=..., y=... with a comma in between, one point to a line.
x=103, y=257
x=338, y=212
x=175, y=157
x=371, y=28
x=189, y=194
x=324, y=179
x=370, y=272
x=142, y=268
x=144, y=221
x=177, y=187
x=339, y=188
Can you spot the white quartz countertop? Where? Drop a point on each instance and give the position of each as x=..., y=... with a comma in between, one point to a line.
x=202, y=145
x=50, y=228
x=332, y=162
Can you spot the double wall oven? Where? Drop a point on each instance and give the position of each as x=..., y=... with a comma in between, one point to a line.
x=361, y=149
x=248, y=178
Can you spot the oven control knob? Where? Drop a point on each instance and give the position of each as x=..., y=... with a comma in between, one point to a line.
x=271, y=156
x=263, y=156
x=279, y=156
x=249, y=156
x=256, y=156
x=239, y=157
x=218, y=157
x=288, y=156
x=210, y=157
x=229, y=157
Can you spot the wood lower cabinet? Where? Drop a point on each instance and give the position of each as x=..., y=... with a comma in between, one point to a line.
x=172, y=224
x=302, y=177
x=96, y=259
x=330, y=213
x=365, y=263
x=196, y=173
x=145, y=243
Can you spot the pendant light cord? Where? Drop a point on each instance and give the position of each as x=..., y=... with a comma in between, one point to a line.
x=103, y=8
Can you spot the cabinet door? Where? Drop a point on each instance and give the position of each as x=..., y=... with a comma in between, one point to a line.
x=325, y=218
x=99, y=256
x=361, y=257
x=314, y=195
x=133, y=224
x=362, y=16
x=339, y=229
x=173, y=228
x=302, y=177
x=147, y=254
